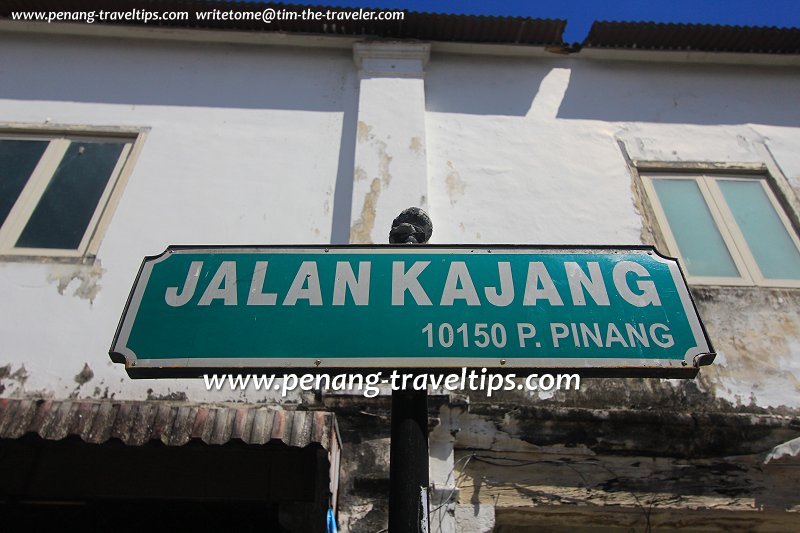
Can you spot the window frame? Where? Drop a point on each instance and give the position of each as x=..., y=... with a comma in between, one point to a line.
x=724, y=220
x=59, y=140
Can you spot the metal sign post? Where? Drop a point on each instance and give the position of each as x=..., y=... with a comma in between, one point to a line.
x=408, y=447
x=408, y=462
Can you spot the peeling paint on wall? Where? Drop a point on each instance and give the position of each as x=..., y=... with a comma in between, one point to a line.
x=85, y=375
x=20, y=376
x=177, y=396
x=88, y=277
x=417, y=146
x=455, y=185
x=361, y=231
x=384, y=160
x=364, y=132
x=634, y=482
x=359, y=174
x=478, y=432
x=103, y=394
x=759, y=351
x=4, y=373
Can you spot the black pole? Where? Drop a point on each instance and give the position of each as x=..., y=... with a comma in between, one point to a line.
x=408, y=447
x=408, y=462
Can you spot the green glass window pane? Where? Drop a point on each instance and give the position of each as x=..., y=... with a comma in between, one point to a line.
x=18, y=159
x=702, y=249
x=63, y=213
x=769, y=241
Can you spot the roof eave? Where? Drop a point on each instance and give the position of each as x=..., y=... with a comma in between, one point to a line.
x=346, y=42
x=696, y=57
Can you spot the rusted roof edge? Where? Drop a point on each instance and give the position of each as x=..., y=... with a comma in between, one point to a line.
x=659, y=36
x=173, y=423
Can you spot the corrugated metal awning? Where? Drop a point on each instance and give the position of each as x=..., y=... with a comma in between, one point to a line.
x=138, y=422
x=696, y=37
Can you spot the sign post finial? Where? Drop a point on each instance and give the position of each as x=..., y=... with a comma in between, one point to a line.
x=412, y=226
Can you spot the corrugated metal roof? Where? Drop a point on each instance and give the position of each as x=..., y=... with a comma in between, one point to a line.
x=423, y=26
x=697, y=37
x=174, y=424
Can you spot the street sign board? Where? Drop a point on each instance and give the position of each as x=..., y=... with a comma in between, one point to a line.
x=598, y=310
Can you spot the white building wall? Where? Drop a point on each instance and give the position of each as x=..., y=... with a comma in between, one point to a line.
x=258, y=145
x=530, y=151
x=243, y=147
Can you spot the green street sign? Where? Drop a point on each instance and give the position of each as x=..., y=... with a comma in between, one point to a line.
x=601, y=311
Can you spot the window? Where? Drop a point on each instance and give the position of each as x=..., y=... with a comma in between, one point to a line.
x=726, y=229
x=55, y=191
